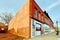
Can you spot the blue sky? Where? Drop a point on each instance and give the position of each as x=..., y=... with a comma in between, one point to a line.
x=51, y=6
x=11, y=6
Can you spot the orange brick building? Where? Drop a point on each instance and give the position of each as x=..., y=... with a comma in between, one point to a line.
x=28, y=20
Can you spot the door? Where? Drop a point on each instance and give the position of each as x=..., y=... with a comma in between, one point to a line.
x=35, y=24
x=38, y=32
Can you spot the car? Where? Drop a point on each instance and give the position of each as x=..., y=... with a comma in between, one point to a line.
x=3, y=28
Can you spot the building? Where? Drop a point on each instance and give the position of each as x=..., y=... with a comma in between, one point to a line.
x=29, y=20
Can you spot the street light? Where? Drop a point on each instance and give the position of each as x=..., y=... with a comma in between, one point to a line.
x=57, y=28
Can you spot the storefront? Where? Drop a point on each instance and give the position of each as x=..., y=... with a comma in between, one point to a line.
x=36, y=28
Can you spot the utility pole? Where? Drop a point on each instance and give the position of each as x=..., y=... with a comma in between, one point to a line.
x=57, y=28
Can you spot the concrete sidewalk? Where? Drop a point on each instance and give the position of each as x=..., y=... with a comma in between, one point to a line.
x=51, y=36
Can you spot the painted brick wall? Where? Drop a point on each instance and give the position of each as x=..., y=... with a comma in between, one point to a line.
x=19, y=24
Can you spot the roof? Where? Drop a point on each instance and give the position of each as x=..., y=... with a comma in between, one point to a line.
x=48, y=16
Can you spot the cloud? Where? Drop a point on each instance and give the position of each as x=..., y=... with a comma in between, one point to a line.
x=52, y=5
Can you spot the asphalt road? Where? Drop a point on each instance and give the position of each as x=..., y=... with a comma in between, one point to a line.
x=9, y=36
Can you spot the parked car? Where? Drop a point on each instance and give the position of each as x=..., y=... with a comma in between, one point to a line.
x=3, y=28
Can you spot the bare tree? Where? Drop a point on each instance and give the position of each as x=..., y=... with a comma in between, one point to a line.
x=6, y=17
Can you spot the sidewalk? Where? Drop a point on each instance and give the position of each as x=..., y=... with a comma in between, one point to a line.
x=51, y=36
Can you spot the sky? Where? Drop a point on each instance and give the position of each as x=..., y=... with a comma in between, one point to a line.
x=51, y=6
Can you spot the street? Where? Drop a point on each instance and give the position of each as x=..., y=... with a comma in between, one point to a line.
x=9, y=36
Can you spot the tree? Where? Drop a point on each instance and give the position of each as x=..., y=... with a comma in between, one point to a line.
x=6, y=17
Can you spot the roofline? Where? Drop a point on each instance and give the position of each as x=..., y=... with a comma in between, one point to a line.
x=48, y=16
x=43, y=12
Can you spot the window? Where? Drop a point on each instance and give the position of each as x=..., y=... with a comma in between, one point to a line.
x=33, y=28
x=35, y=12
x=46, y=20
x=33, y=24
x=39, y=16
x=42, y=18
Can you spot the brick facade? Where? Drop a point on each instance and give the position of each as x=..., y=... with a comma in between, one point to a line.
x=20, y=24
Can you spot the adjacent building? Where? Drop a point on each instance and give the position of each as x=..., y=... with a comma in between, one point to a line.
x=30, y=20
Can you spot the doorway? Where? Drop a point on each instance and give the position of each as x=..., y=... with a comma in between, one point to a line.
x=35, y=28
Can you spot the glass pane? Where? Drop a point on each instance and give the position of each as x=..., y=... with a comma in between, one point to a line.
x=33, y=28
